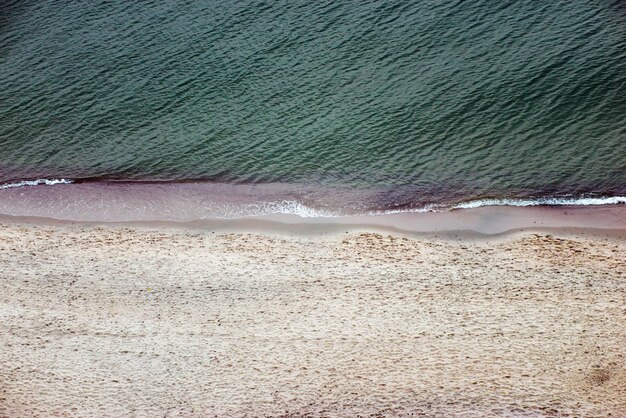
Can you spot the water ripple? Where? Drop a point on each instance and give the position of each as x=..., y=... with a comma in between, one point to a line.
x=470, y=99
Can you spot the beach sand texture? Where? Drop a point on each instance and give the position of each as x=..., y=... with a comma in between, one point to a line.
x=116, y=321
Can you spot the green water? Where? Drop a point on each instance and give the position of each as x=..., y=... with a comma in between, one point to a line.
x=440, y=100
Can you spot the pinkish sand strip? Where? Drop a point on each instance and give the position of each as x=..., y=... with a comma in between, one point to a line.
x=489, y=220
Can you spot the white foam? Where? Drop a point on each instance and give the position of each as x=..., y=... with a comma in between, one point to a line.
x=427, y=208
x=286, y=207
x=24, y=183
x=544, y=201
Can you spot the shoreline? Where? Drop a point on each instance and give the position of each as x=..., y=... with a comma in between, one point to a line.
x=489, y=221
x=138, y=201
x=288, y=318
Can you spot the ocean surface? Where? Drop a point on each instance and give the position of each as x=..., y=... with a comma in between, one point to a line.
x=235, y=108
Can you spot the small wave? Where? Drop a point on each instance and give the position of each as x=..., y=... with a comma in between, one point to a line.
x=427, y=208
x=293, y=207
x=285, y=207
x=25, y=183
x=544, y=201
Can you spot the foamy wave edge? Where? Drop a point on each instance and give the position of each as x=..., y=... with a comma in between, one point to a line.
x=299, y=209
x=25, y=183
x=285, y=207
x=544, y=201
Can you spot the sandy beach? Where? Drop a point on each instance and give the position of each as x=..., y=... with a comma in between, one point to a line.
x=145, y=321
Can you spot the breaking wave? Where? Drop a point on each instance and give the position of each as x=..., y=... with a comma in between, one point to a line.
x=38, y=182
x=545, y=201
x=285, y=207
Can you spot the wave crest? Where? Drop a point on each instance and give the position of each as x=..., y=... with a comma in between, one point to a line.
x=285, y=207
x=544, y=201
x=25, y=183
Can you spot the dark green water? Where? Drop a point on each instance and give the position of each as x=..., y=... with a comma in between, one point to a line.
x=425, y=102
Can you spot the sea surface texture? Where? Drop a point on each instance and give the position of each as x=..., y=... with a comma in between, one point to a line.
x=340, y=106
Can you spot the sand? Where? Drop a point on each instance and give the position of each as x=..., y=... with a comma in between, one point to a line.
x=141, y=321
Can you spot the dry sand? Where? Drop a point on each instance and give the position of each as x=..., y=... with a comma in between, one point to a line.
x=113, y=321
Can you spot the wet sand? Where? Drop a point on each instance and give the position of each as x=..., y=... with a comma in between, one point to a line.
x=146, y=321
